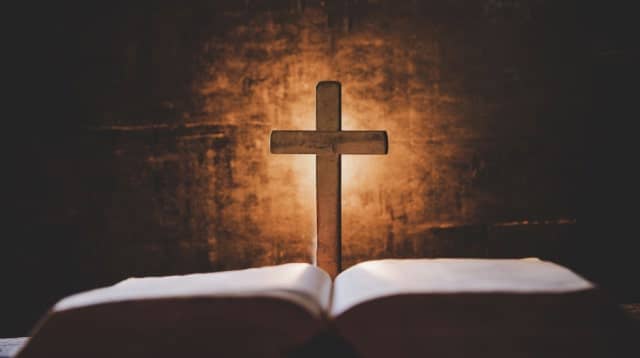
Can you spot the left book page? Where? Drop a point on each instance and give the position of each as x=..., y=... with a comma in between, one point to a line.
x=268, y=311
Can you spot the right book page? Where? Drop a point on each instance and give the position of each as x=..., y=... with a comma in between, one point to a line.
x=470, y=307
x=381, y=278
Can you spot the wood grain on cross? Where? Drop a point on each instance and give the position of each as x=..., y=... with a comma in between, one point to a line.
x=328, y=142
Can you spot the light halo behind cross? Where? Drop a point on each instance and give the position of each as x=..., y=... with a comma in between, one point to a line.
x=328, y=142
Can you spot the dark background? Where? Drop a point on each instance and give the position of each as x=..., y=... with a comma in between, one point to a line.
x=99, y=94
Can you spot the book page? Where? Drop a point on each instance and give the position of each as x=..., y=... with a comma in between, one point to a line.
x=10, y=346
x=300, y=283
x=374, y=279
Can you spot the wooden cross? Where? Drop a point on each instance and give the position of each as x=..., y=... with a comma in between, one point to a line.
x=328, y=142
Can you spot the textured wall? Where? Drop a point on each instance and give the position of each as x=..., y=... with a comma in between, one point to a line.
x=182, y=99
x=150, y=153
x=461, y=90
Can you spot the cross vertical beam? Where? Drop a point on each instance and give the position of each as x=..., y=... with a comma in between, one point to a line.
x=328, y=183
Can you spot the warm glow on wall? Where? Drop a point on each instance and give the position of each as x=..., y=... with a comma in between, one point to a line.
x=269, y=84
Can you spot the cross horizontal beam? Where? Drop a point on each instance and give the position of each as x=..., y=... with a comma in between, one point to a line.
x=329, y=142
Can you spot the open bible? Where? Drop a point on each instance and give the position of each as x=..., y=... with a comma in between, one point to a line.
x=384, y=308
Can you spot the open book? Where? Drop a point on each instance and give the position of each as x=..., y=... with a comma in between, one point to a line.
x=385, y=308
